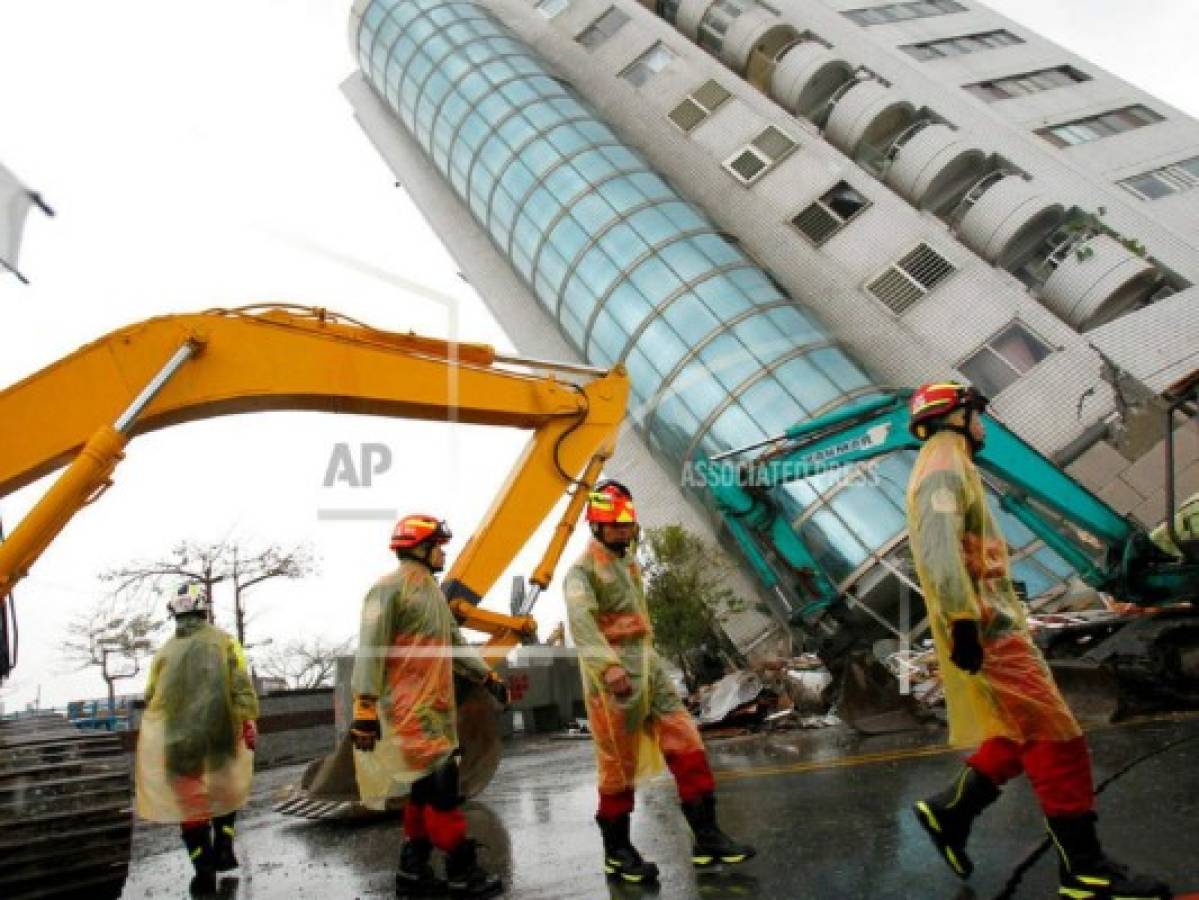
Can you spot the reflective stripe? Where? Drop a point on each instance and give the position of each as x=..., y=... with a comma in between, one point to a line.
x=1061, y=851
x=929, y=818
x=953, y=861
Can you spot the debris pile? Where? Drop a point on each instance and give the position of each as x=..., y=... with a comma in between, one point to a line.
x=779, y=693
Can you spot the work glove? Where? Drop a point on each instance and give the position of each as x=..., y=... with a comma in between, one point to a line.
x=249, y=734
x=364, y=729
x=966, y=649
x=494, y=684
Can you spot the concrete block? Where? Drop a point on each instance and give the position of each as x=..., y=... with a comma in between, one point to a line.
x=1148, y=474
x=1152, y=512
x=1186, y=444
x=1098, y=466
x=1120, y=496
x=1186, y=482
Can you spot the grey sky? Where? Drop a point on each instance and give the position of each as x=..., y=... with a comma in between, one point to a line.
x=196, y=153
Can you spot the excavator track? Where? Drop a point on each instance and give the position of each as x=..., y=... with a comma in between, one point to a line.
x=1112, y=669
x=65, y=811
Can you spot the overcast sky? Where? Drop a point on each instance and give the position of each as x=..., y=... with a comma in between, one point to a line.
x=200, y=155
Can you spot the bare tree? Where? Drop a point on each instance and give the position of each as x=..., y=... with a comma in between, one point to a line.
x=304, y=662
x=226, y=562
x=115, y=635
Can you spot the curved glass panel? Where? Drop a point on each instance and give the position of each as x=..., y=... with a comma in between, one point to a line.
x=718, y=354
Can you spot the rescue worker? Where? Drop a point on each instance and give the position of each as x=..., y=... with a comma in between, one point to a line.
x=195, y=750
x=405, y=719
x=635, y=714
x=998, y=689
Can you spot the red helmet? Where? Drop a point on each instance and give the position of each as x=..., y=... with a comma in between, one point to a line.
x=937, y=399
x=412, y=531
x=611, y=503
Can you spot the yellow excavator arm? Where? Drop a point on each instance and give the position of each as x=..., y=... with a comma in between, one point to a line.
x=82, y=410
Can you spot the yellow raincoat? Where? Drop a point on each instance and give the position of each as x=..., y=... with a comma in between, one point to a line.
x=962, y=561
x=610, y=624
x=192, y=763
x=409, y=648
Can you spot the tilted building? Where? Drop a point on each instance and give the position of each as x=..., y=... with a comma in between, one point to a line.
x=767, y=210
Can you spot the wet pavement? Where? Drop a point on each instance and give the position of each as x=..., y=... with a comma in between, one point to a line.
x=828, y=811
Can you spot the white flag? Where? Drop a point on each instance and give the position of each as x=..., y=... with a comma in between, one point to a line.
x=15, y=200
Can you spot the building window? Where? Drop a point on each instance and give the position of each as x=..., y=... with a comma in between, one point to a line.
x=959, y=46
x=699, y=105
x=1003, y=359
x=1172, y=179
x=896, y=12
x=551, y=8
x=602, y=28
x=1103, y=125
x=832, y=212
x=909, y=279
x=752, y=161
x=1030, y=83
x=653, y=60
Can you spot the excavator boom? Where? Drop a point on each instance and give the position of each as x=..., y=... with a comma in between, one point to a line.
x=1134, y=570
x=84, y=408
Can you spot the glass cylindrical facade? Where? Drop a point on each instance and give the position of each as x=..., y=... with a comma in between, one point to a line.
x=719, y=356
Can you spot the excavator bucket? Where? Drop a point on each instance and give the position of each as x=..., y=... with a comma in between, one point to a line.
x=870, y=701
x=328, y=789
x=1091, y=691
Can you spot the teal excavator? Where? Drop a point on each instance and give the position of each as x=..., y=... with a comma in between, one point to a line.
x=1109, y=664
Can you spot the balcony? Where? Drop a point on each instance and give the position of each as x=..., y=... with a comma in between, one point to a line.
x=867, y=117
x=806, y=77
x=1004, y=219
x=757, y=35
x=931, y=167
x=1093, y=278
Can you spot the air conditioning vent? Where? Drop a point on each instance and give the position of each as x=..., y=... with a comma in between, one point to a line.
x=828, y=215
x=909, y=279
x=927, y=266
x=688, y=114
x=711, y=95
x=817, y=224
x=747, y=165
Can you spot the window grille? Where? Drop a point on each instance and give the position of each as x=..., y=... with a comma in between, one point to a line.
x=828, y=215
x=914, y=275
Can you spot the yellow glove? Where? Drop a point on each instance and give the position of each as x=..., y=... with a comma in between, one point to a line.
x=365, y=730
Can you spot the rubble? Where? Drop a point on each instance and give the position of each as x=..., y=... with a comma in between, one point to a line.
x=778, y=693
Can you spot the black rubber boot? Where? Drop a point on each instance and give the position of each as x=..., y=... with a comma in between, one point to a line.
x=222, y=842
x=947, y=816
x=465, y=878
x=1085, y=872
x=198, y=841
x=415, y=877
x=712, y=846
x=621, y=859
